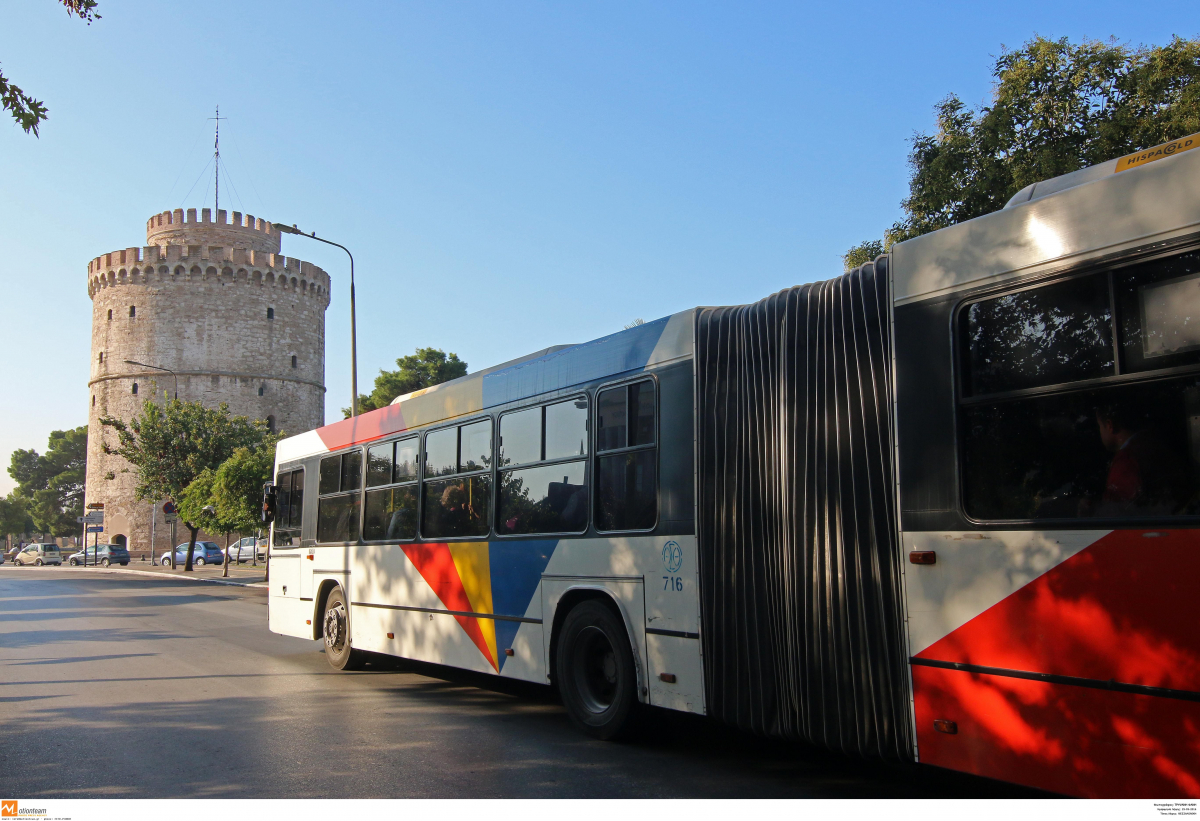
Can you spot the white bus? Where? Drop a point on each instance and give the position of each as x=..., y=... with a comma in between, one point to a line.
x=943, y=508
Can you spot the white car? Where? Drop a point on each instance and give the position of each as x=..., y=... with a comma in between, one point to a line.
x=243, y=550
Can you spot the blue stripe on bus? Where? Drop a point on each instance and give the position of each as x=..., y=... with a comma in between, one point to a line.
x=618, y=353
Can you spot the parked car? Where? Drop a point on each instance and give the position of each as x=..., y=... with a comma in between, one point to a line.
x=102, y=555
x=205, y=553
x=39, y=554
x=243, y=550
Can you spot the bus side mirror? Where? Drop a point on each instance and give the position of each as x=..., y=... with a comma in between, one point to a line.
x=268, y=503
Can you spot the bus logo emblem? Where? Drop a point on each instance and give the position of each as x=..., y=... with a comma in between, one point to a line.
x=672, y=556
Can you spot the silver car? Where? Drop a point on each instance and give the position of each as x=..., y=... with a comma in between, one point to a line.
x=244, y=550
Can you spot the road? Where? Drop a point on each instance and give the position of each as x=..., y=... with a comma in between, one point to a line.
x=150, y=687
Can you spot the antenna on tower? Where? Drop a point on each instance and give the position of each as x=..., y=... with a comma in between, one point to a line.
x=217, y=158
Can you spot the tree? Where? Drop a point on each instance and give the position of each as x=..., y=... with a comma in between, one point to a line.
x=53, y=484
x=233, y=491
x=14, y=517
x=1056, y=107
x=27, y=111
x=424, y=369
x=169, y=445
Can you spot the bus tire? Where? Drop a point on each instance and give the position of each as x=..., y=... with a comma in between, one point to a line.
x=596, y=675
x=335, y=630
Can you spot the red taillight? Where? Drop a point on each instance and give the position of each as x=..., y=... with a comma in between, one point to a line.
x=923, y=557
x=509, y=652
x=391, y=635
x=669, y=678
x=945, y=725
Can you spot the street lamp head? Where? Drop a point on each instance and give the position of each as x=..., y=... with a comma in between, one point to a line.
x=286, y=229
x=209, y=509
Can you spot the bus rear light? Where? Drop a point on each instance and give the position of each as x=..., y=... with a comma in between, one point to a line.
x=509, y=652
x=944, y=725
x=923, y=557
x=669, y=678
x=308, y=621
x=391, y=635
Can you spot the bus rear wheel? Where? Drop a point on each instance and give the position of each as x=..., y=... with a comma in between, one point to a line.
x=335, y=630
x=596, y=676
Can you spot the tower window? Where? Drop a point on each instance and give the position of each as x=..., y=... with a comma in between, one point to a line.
x=270, y=313
x=262, y=389
x=132, y=311
x=110, y=314
x=101, y=356
x=293, y=360
x=134, y=391
x=93, y=400
x=271, y=423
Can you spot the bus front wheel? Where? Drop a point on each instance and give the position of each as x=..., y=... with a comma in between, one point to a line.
x=335, y=630
x=596, y=676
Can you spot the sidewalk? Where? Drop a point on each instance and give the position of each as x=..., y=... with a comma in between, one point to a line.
x=244, y=575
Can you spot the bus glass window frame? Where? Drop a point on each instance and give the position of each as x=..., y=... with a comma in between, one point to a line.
x=354, y=493
x=542, y=464
x=598, y=455
x=288, y=505
x=444, y=478
x=1102, y=390
x=393, y=486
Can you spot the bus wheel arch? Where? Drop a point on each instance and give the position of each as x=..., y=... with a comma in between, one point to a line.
x=319, y=600
x=594, y=663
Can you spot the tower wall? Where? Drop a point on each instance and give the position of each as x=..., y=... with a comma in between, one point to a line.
x=200, y=299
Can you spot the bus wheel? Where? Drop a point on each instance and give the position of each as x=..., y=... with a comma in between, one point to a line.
x=595, y=671
x=335, y=629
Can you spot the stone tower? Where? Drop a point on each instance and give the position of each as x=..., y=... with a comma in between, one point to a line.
x=216, y=303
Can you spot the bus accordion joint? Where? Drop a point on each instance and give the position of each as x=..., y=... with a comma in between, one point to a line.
x=668, y=678
x=944, y=725
x=922, y=557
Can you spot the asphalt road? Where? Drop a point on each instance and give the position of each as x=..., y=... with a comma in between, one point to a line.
x=148, y=687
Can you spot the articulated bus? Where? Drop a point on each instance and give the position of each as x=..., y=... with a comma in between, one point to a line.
x=943, y=508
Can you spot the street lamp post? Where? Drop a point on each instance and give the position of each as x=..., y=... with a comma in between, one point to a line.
x=157, y=368
x=292, y=229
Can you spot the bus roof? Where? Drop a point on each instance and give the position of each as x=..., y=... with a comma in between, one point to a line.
x=556, y=368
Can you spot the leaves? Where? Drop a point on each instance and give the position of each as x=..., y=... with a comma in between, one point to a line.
x=170, y=445
x=51, y=485
x=28, y=112
x=1056, y=107
x=424, y=369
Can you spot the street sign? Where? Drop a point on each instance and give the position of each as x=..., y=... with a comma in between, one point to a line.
x=95, y=529
x=96, y=506
x=96, y=517
x=169, y=508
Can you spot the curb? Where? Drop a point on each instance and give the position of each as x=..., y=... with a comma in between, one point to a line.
x=126, y=572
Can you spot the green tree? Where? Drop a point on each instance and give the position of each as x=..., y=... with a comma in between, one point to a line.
x=28, y=112
x=233, y=491
x=52, y=483
x=862, y=253
x=425, y=368
x=170, y=445
x=14, y=517
x=1056, y=107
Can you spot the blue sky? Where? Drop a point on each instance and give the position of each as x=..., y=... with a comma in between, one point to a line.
x=509, y=175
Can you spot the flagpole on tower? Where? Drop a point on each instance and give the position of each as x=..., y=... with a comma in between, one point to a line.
x=217, y=158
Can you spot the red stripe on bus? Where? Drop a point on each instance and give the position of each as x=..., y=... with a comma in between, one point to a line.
x=436, y=566
x=365, y=428
x=1058, y=737
x=1125, y=608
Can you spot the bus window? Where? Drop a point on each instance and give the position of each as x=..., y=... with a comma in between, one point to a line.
x=290, y=508
x=550, y=497
x=391, y=513
x=458, y=506
x=1122, y=445
x=627, y=458
x=339, y=500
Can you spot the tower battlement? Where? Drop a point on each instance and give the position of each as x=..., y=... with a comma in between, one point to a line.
x=184, y=228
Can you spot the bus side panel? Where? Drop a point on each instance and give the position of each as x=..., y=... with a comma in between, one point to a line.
x=1059, y=737
x=1044, y=628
